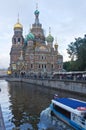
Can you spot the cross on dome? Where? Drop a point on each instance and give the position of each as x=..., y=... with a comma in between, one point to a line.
x=36, y=6
x=18, y=18
x=49, y=30
x=18, y=25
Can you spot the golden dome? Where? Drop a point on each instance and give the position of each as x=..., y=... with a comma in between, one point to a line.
x=18, y=25
x=9, y=72
x=56, y=45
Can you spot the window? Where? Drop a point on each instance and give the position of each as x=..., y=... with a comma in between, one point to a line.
x=39, y=66
x=42, y=57
x=18, y=39
x=62, y=111
x=14, y=40
x=52, y=66
x=31, y=65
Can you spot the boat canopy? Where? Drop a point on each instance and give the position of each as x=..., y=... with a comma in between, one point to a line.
x=72, y=103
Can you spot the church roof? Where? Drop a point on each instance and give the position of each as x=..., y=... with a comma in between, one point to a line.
x=49, y=38
x=18, y=25
x=30, y=36
x=36, y=12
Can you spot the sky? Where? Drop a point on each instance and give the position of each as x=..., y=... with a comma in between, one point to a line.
x=67, y=19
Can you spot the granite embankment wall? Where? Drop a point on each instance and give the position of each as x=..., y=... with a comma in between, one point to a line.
x=75, y=86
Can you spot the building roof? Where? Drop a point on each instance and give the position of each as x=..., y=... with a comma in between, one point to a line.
x=18, y=25
x=30, y=36
x=49, y=38
x=73, y=103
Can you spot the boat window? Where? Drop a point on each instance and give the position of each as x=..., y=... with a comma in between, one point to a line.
x=84, y=115
x=62, y=111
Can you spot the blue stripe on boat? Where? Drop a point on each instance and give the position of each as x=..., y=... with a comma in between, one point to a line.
x=71, y=103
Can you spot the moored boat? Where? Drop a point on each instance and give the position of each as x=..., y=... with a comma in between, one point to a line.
x=71, y=111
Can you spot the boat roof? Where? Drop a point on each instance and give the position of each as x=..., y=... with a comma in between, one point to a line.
x=70, y=102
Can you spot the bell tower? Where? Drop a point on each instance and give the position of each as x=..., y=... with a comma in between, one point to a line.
x=18, y=33
x=17, y=45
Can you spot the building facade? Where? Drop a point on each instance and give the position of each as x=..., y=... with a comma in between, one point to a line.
x=34, y=54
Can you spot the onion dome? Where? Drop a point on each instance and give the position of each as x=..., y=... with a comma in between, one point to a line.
x=25, y=41
x=49, y=38
x=30, y=36
x=56, y=45
x=36, y=17
x=18, y=25
x=36, y=12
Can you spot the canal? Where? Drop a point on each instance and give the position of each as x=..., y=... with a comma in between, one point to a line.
x=22, y=104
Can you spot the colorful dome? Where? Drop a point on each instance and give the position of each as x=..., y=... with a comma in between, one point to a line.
x=49, y=38
x=56, y=45
x=18, y=25
x=36, y=12
x=30, y=36
x=25, y=41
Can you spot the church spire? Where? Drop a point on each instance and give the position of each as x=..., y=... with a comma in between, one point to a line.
x=18, y=25
x=49, y=30
x=36, y=15
x=18, y=18
x=36, y=6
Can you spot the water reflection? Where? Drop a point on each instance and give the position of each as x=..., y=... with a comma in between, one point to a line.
x=22, y=103
x=27, y=101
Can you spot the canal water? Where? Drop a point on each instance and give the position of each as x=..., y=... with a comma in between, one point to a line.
x=22, y=104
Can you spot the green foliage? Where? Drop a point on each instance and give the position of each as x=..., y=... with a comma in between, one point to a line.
x=70, y=66
x=77, y=53
x=66, y=66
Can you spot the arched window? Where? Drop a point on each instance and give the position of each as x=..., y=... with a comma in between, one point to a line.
x=39, y=65
x=19, y=40
x=31, y=65
x=42, y=57
x=14, y=40
x=52, y=66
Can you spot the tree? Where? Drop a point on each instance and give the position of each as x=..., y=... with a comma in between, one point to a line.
x=77, y=53
x=66, y=65
x=70, y=66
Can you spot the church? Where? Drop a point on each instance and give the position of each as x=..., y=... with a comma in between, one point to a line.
x=35, y=54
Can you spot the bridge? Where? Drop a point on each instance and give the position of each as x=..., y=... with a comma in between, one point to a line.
x=3, y=73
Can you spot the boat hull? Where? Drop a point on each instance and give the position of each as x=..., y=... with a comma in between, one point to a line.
x=65, y=119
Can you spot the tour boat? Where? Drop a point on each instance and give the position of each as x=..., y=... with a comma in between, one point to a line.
x=71, y=111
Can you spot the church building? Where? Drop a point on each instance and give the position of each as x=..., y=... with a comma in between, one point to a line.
x=35, y=54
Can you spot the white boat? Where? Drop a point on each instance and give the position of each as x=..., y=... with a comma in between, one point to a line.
x=71, y=111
